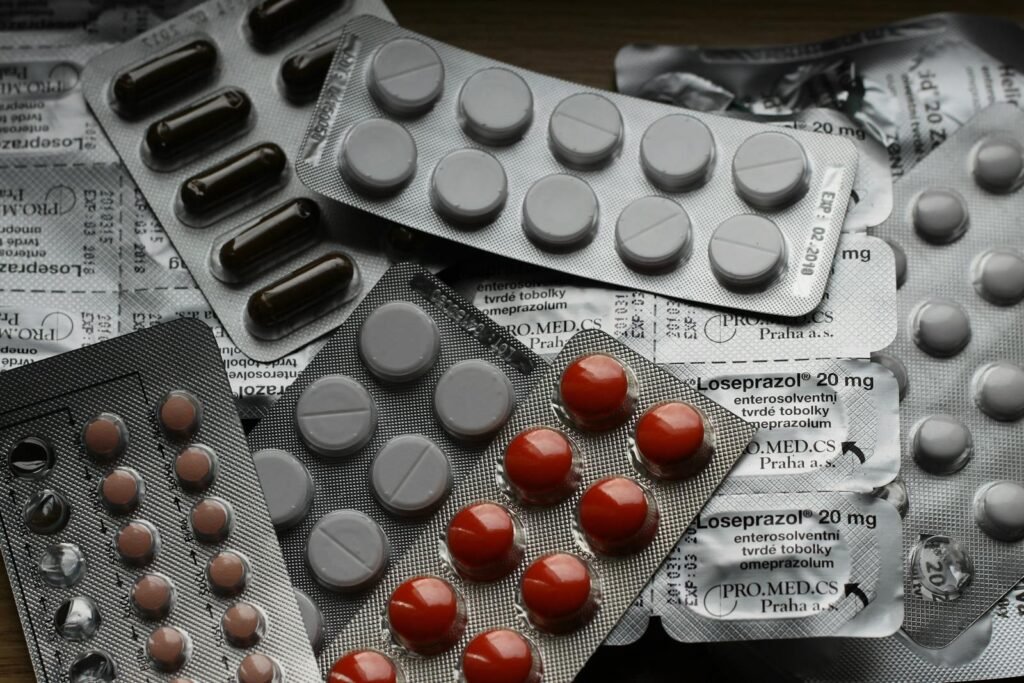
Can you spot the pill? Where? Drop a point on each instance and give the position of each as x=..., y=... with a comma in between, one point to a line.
x=378, y=157
x=597, y=392
x=272, y=21
x=336, y=416
x=999, y=510
x=559, y=593
x=31, y=458
x=347, y=551
x=896, y=493
x=211, y=520
x=180, y=414
x=473, y=400
x=258, y=668
x=770, y=170
x=618, y=516
x=77, y=619
x=585, y=130
x=315, y=287
x=166, y=75
x=670, y=440
x=560, y=213
x=137, y=543
x=747, y=252
x=46, y=512
x=484, y=542
x=940, y=216
x=196, y=468
x=942, y=567
x=941, y=444
x=940, y=328
x=152, y=596
x=121, y=490
x=652, y=234
x=105, y=437
x=426, y=615
x=999, y=390
x=406, y=77
x=246, y=173
x=999, y=165
x=399, y=342
x=500, y=656
x=283, y=230
x=468, y=187
x=303, y=72
x=287, y=487
x=92, y=667
x=243, y=625
x=542, y=466
x=227, y=572
x=62, y=565
x=199, y=125
x=677, y=152
x=364, y=666
x=998, y=276
x=312, y=620
x=900, y=259
x=897, y=368
x=168, y=648
x=495, y=106
x=410, y=475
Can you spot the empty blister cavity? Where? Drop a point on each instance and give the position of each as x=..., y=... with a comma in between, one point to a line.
x=747, y=252
x=998, y=164
x=896, y=367
x=896, y=493
x=468, y=187
x=378, y=157
x=312, y=620
x=105, y=437
x=287, y=487
x=303, y=72
x=940, y=328
x=501, y=655
x=940, y=215
x=941, y=444
x=495, y=106
x=31, y=458
x=999, y=390
x=942, y=568
x=92, y=667
x=585, y=130
x=281, y=232
x=410, y=475
x=200, y=127
x=771, y=170
x=62, y=565
x=77, y=619
x=46, y=512
x=406, y=77
x=335, y=416
x=677, y=153
x=243, y=176
x=653, y=234
x=347, y=551
x=560, y=213
x=473, y=399
x=167, y=75
x=270, y=22
x=998, y=276
x=999, y=510
x=399, y=342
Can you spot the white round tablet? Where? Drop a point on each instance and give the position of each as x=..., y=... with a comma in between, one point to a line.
x=652, y=233
x=941, y=444
x=940, y=328
x=900, y=258
x=896, y=367
x=346, y=551
x=770, y=170
x=312, y=619
x=999, y=390
x=998, y=164
x=999, y=510
x=495, y=106
x=406, y=77
x=287, y=487
x=940, y=216
x=399, y=342
x=998, y=276
x=747, y=252
x=473, y=399
x=585, y=130
x=410, y=475
x=560, y=213
x=677, y=153
x=336, y=416
x=468, y=187
x=378, y=157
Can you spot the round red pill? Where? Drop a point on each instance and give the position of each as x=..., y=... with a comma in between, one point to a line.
x=541, y=466
x=595, y=392
x=670, y=439
x=426, y=615
x=500, y=656
x=482, y=542
x=364, y=666
x=558, y=593
x=617, y=516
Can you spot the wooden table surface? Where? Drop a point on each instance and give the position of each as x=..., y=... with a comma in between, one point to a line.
x=578, y=41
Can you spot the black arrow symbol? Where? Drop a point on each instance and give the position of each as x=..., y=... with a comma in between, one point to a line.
x=852, y=447
x=193, y=554
x=103, y=527
x=177, y=503
x=85, y=468
x=135, y=636
x=854, y=588
x=209, y=608
x=225, y=660
x=117, y=580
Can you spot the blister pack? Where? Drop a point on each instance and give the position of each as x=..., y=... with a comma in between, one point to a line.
x=135, y=547
x=367, y=442
x=91, y=20
x=538, y=552
x=589, y=183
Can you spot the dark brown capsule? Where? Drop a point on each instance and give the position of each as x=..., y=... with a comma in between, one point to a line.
x=272, y=21
x=197, y=125
x=245, y=173
x=164, y=76
x=304, y=72
x=309, y=288
x=283, y=230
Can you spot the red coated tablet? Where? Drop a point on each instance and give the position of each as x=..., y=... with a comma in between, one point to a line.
x=483, y=543
x=500, y=656
x=363, y=666
x=617, y=516
x=426, y=615
x=669, y=440
x=595, y=392
x=559, y=593
x=541, y=466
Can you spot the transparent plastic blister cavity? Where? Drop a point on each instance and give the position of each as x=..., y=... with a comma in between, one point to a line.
x=589, y=183
x=135, y=547
x=596, y=476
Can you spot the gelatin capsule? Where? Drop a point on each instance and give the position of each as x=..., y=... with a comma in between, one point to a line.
x=247, y=172
x=283, y=230
x=199, y=124
x=304, y=72
x=140, y=87
x=328, y=278
x=272, y=20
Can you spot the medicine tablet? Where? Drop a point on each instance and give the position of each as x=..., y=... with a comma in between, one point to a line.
x=121, y=490
x=287, y=487
x=137, y=543
x=942, y=567
x=195, y=468
x=747, y=252
x=941, y=444
x=770, y=170
x=473, y=400
x=940, y=328
x=542, y=466
x=105, y=437
x=31, y=458
x=484, y=542
x=999, y=510
x=62, y=565
x=180, y=415
x=560, y=213
x=347, y=551
x=152, y=596
x=77, y=619
x=999, y=390
x=618, y=516
x=364, y=666
x=336, y=416
x=897, y=368
x=597, y=392
x=500, y=656
x=312, y=619
x=378, y=157
x=406, y=77
x=669, y=440
x=900, y=260
x=243, y=625
x=495, y=106
x=92, y=667
x=410, y=475
x=211, y=520
x=999, y=165
x=258, y=668
x=677, y=153
x=399, y=342
x=653, y=234
x=998, y=276
x=585, y=130
x=468, y=187
x=426, y=615
x=227, y=573
x=46, y=512
x=940, y=216
x=168, y=648
x=559, y=593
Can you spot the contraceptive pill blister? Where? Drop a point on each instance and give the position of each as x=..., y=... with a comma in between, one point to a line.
x=593, y=184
